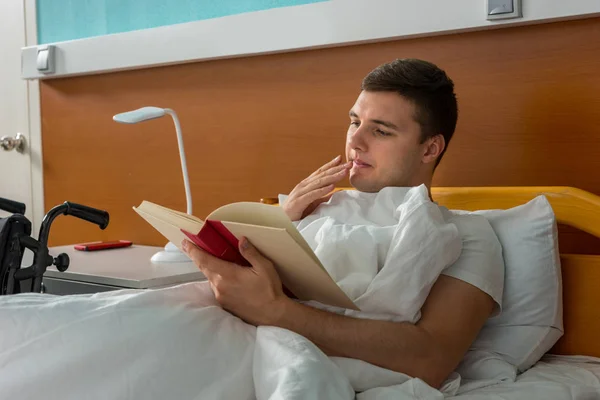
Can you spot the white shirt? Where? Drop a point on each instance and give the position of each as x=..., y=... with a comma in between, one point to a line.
x=480, y=263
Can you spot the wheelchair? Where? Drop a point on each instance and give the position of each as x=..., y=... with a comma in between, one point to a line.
x=15, y=238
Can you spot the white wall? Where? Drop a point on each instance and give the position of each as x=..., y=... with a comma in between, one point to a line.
x=35, y=125
x=331, y=23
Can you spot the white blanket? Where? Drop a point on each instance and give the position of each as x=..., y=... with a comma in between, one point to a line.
x=178, y=343
x=174, y=343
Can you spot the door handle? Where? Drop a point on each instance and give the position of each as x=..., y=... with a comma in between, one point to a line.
x=13, y=143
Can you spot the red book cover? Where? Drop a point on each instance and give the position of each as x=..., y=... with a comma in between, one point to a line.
x=216, y=239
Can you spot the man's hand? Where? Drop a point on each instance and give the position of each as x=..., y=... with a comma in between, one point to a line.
x=315, y=189
x=252, y=293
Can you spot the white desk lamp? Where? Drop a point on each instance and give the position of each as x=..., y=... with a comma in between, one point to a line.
x=171, y=253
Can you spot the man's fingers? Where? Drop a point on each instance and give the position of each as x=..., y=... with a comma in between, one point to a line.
x=338, y=169
x=330, y=164
x=334, y=175
x=319, y=187
x=255, y=257
x=303, y=200
x=334, y=170
x=251, y=253
x=199, y=258
x=207, y=263
x=315, y=195
x=319, y=183
x=324, y=181
x=196, y=255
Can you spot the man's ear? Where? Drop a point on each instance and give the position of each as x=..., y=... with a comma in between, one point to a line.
x=434, y=146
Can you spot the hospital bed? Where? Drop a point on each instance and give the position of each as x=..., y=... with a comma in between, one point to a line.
x=157, y=351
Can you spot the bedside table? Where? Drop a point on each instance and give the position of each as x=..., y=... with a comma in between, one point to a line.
x=114, y=269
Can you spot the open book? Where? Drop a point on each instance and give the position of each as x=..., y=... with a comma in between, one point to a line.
x=268, y=228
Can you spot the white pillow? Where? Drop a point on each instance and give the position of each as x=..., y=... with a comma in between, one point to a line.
x=531, y=319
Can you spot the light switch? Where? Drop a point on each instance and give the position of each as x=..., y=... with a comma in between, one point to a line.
x=45, y=59
x=42, y=60
x=500, y=7
x=503, y=9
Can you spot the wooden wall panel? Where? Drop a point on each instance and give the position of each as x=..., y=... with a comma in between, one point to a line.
x=529, y=102
x=581, y=316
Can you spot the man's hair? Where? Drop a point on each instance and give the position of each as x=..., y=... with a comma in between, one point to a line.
x=427, y=87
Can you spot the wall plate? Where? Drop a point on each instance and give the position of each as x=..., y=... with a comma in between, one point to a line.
x=46, y=58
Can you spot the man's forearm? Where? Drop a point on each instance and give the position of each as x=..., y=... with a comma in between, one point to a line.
x=401, y=347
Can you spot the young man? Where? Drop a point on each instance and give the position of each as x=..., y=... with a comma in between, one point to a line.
x=399, y=129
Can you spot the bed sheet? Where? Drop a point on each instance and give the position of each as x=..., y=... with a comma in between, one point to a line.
x=553, y=377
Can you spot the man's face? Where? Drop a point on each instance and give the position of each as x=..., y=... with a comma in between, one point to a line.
x=384, y=143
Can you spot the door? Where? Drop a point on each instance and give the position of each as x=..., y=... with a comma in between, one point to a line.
x=15, y=161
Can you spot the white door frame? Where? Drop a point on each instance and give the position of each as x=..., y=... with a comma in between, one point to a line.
x=35, y=124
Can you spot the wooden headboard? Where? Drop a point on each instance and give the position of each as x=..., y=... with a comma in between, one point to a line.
x=529, y=115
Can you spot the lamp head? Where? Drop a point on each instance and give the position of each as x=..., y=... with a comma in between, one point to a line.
x=139, y=115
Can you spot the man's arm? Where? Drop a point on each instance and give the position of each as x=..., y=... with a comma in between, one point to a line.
x=452, y=316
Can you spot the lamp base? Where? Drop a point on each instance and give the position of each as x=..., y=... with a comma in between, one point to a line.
x=171, y=254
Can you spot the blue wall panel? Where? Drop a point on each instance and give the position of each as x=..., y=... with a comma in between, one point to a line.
x=60, y=20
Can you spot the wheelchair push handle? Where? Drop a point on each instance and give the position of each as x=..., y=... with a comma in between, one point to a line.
x=93, y=215
x=90, y=214
x=12, y=206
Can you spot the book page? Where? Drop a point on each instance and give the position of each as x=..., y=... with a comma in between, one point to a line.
x=307, y=279
x=181, y=220
x=169, y=230
x=264, y=215
x=157, y=209
x=184, y=215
